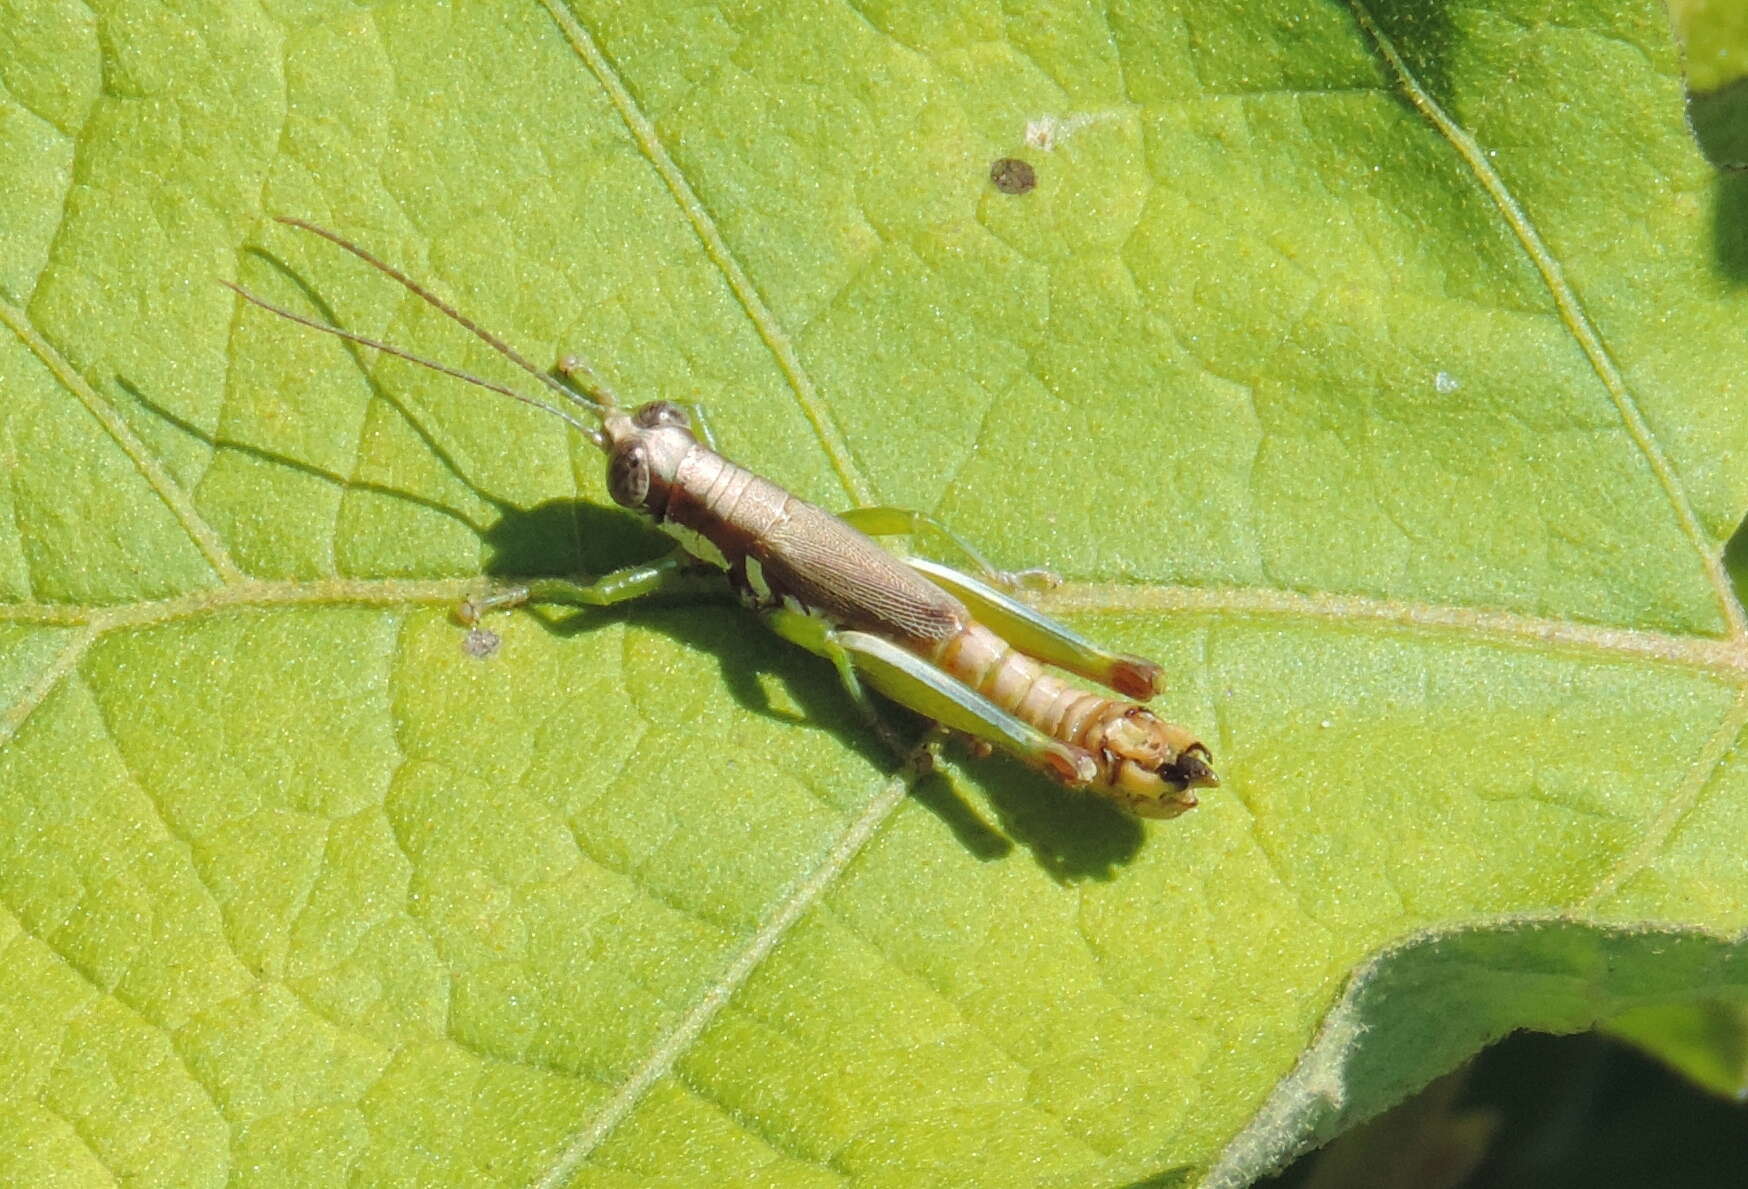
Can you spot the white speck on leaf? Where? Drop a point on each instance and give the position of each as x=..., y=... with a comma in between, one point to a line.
x=1044, y=131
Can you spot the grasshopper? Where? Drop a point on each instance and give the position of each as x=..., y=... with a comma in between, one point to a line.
x=956, y=649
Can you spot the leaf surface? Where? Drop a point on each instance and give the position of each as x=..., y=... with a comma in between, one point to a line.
x=1376, y=368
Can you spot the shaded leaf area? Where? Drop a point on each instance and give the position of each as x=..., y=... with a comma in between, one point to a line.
x=1468, y=990
x=1375, y=368
x=1720, y=121
x=1539, y=1110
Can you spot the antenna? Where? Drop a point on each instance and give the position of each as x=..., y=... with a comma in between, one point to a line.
x=600, y=397
x=588, y=431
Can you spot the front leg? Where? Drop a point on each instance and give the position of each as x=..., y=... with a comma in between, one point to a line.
x=677, y=573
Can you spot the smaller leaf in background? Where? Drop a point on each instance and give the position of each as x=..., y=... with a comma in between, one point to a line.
x=1708, y=1042
x=1714, y=34
x=1432, y=1141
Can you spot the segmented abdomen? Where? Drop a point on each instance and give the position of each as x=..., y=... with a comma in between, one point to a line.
x=1025, y=689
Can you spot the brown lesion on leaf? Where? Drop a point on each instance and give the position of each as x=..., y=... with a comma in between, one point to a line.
x=1011, y=175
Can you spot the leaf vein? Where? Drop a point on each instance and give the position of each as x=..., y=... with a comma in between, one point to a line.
x=46, y=683
x=1694, y=780
x=204, y=537
x=1572, y=313
x=715, y=997
x=1726, y=656
x=776, y=340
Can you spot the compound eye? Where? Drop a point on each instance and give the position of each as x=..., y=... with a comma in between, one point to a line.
x=658, y=414
x=628, y=476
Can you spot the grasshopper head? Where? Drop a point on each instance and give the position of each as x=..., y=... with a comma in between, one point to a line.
x=644, y=450
x=1155, y=766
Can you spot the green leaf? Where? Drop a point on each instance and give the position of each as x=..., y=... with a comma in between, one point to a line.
x=1714, y=36
x=1376, y=368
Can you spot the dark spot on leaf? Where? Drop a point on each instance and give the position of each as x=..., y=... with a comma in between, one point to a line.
x=1013, y=176
x=480, y=643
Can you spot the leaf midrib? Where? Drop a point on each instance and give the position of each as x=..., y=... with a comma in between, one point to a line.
x=1723, y=655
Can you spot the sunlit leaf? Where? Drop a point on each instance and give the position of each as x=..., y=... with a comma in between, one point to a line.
x=1375, y=367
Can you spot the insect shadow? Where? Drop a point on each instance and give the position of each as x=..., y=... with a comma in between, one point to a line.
x=263, y=454
x=1073, y=836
